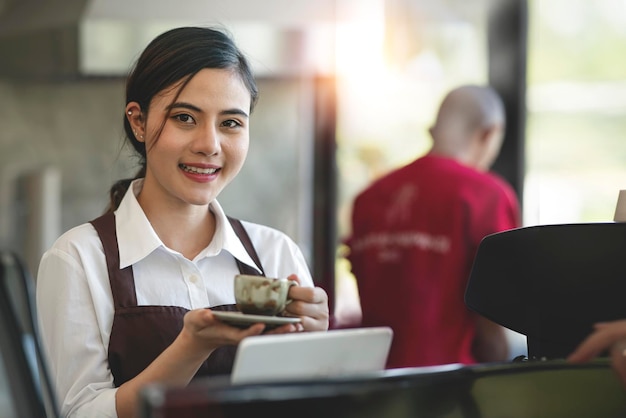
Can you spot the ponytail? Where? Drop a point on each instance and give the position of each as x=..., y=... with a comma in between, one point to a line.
x=119, y=189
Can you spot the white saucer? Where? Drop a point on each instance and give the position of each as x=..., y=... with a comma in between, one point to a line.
x=245, y=320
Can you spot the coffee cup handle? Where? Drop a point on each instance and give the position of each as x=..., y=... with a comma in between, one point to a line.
x=291, y=283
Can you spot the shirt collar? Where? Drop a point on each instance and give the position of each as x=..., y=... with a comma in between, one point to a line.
x=225, y=238
x=136, y=238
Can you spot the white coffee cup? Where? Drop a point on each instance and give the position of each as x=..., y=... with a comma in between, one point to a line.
x=259, y=295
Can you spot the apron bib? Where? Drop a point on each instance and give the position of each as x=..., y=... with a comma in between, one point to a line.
x=141, y=333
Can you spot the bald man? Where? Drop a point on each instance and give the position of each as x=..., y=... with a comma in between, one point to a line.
x=415, y=233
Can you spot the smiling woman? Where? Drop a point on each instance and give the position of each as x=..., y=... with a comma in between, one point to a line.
x=122, y=299
x=199, y=148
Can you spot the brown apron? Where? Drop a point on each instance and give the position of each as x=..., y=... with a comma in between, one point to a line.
x=140, y=333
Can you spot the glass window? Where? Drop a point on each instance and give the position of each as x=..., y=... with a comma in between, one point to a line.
x=575, y=150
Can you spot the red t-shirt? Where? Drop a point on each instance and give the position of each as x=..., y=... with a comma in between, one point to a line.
x=415, y=233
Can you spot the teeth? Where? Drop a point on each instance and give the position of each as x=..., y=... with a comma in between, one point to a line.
x=197, y=170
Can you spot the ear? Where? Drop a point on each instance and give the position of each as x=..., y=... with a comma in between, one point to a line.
x=490, y=141
x=136, y=119
x=487, y=133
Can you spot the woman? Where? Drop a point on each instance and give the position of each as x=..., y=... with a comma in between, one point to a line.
x=121, y=300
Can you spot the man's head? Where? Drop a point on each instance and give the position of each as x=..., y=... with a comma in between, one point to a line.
x=470, y=126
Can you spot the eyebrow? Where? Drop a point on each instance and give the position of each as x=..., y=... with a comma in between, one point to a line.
x=185, y=105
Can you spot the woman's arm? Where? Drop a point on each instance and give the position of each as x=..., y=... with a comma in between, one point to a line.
x=71, y=328
x=201, y=334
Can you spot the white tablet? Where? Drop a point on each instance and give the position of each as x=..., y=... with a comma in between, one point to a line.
x=311, y=355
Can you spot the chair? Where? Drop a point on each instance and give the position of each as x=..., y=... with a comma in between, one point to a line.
x=23, y=357
x=551, y=282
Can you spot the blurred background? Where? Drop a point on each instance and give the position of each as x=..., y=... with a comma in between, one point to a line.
x=348, y=89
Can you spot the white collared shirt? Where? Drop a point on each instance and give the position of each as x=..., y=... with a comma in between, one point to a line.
x=75, y=306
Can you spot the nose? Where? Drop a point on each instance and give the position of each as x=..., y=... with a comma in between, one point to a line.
x=207, y=141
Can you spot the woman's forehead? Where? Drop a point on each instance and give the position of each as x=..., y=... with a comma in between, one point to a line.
x=208, y=86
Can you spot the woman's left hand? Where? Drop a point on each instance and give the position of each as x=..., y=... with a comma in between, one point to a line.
x=310, y=304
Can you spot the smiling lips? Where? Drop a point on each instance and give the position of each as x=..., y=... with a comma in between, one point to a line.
x=198, y=170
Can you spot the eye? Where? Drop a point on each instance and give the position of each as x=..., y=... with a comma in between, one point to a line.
x=184, y=118
x=231, y=123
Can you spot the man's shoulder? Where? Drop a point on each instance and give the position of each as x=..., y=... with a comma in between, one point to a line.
x=496, y=181
x=388, y=181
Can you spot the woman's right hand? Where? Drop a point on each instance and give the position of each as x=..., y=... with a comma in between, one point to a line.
x=204, y=332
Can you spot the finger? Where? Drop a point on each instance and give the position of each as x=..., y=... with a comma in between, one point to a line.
x=235, y=333
x=298, y=308
x=283, y=329
x=294, y=277
x=309, y=294
x=200, y=318
x=310, y=302
x=254, y=329
x=615, y=327
x=584, y=353
x=312, y=316
x=309, y=310
x=592, y=346
x=314, y=323
x=299, y=293
x=319, y=296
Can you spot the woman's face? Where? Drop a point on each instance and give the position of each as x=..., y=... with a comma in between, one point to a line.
x=204, y=141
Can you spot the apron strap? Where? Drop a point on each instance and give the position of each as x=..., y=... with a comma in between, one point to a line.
x=122, y=281
x=245, y=240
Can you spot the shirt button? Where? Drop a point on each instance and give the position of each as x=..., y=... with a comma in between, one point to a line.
x=193, y=279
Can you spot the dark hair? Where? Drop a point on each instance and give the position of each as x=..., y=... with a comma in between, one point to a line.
x=176, y=56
